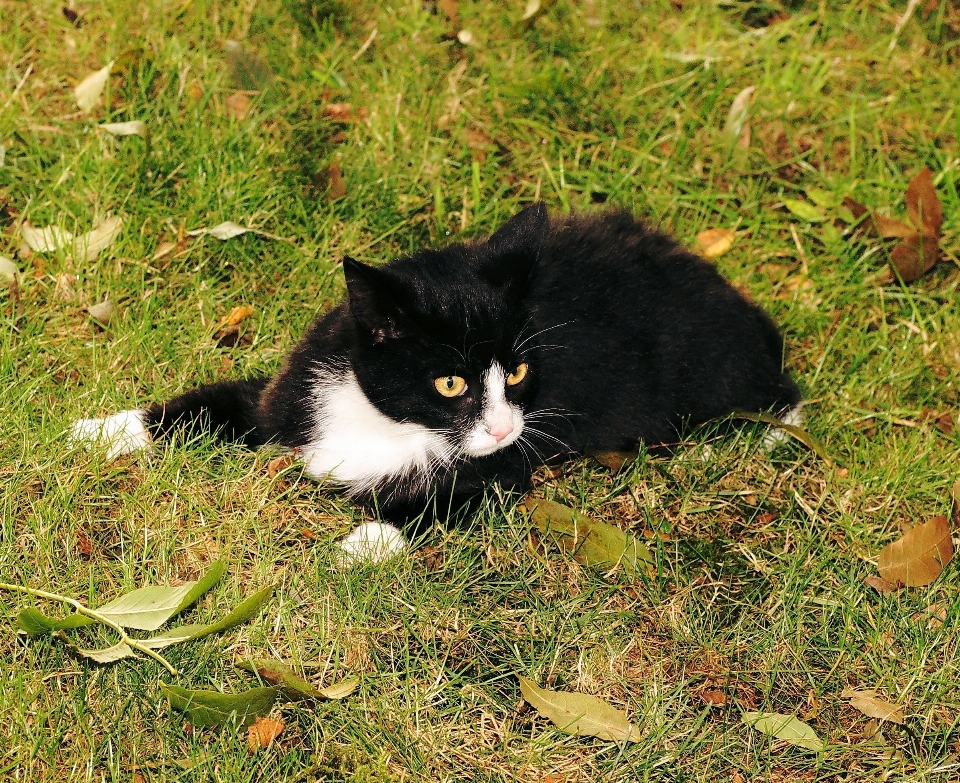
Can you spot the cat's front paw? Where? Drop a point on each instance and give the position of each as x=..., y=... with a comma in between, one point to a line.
x=372, y=542
x=122, y=433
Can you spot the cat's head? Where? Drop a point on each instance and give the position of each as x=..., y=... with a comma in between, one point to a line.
x=440, y=336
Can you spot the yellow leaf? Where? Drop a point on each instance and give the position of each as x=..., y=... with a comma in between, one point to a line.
x=715, y=242
x=89, y=90
x=579, y=713
x=868, y=703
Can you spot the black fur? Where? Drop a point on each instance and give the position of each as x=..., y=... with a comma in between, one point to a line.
x=628, y=337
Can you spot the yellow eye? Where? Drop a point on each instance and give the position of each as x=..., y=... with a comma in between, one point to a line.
x=517, y=375
x=451, y=385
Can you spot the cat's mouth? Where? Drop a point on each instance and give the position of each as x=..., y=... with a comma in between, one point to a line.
x=488, y=437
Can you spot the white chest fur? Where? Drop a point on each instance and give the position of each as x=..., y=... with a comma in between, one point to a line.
x=358, y=446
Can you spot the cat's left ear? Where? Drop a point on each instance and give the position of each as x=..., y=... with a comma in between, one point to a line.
x=375, y=299
x=512, y=252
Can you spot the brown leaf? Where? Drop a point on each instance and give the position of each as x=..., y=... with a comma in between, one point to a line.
x=935, y=615
x=715, y=242
x=238, y=105
x=335, y=184
x=343, y=112
x=868, y=703
x=923, y=205
x=880, y=585
x=891, y=227
x=262, y=732
x=614, y=460
x=713, y=697
x=911, y=259
x=479, y=143
x=945, y=423
x=279, y=464
x=919, y=556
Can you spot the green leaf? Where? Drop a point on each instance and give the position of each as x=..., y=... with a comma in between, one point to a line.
x=591, y=542
x=805, y=210
x=579, y=713
x=797, y=432
x=35, y=622
x=784, y=727
x=821, y=198
x=294, y=687
x=147, y=608
x=186, y=633
x=211, y=708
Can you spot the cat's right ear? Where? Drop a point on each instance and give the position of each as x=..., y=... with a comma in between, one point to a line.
x=513, y=250
x=373, y=296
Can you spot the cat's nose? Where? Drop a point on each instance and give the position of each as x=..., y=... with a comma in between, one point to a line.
x=500, y=431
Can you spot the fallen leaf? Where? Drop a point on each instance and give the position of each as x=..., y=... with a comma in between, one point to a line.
x=797, y=432
x=90, y=88
x=614, y=460
x=236, y=315
x=579, y=713
x=449, y=8
x=923, y=204
x=868, y=703
x=343, y=112
x=211, y=708
x=294, y=687
x=8, y=270
x=784, y=727
x=715, y=242
x=919, y=556
x=277, y=465
x=102, y=312
x=336, y=185
x=262, y=732
x=132, y=128
x=224, y=231
x=87, y=247
x=889, y=228
x=589, y=541
x=880, y=585
x=945, y=423
x=935, y=615
x=163, y=250
x=238, y=105
x=45, y=240
x=714, y=697
x=912, y=259
x=805, y=210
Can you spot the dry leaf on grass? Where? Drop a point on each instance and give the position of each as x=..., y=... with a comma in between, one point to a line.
x=132, y=128
x=868, y=703
x=880, y=585
x=85, y=247
x=8, y=270
x=736, y=128
x=224, y=231
x=579, y=713
x=935, y=616
x=277, y=465
x=343, y=112
x=238, y=105
x=103, y=312
x=784, y=727
x=90, y=88
x=714, y=242
x=262, y=732
x=919, y=556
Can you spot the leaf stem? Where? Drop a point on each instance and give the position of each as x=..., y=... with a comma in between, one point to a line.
x=92, y=613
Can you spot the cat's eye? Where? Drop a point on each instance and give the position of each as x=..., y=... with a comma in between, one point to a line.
x=451, y=385
x=517, y=375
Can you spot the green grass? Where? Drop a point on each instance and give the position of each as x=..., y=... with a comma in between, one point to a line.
x=759, y=592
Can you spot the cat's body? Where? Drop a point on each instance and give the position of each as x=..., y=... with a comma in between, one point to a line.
x=452, y=368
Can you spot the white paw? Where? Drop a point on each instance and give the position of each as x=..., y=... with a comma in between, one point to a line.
x=371, y=542
x=122, y=433
x=776, y=436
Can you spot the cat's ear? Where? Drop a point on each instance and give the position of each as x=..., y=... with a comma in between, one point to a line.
x=374, y=297
x=513, y=250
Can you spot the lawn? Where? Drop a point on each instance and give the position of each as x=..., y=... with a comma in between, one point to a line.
x=370, y=130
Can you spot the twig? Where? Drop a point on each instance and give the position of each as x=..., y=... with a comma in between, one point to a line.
x=94, y=614
x=366, y=45
x=911, y=7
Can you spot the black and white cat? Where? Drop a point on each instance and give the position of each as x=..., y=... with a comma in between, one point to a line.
x=452, y=368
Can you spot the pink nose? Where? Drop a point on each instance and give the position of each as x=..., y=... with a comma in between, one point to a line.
x=500, y=431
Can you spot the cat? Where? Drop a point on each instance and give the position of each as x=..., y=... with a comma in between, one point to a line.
x=449, y=369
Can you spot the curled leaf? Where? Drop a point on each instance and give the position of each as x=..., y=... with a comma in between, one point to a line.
x=917, y=558
x=739, y=111
x=132, y=128
x=588, y=540
x=579, y=713
x=784, y=727
x=923, y=204
x=292, y=685
x=262, y=732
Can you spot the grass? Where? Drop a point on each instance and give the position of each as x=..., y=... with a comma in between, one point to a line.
x=759, y=593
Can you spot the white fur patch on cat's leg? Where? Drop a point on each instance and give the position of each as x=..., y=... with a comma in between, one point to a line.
x=122, y=433
x=776, y=436
x=372, y=542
